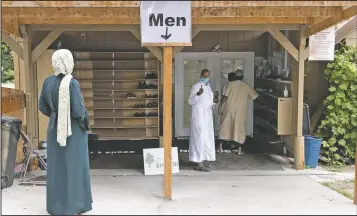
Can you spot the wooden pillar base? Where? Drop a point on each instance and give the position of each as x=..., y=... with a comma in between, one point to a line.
x=299, y=155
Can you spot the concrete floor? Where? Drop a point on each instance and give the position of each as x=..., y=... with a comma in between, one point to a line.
x=272, y=188
x=223, y=161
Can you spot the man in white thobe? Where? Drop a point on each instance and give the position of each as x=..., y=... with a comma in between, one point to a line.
x=202, y=142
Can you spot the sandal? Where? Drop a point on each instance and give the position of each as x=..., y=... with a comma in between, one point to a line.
x=206, y=164
x=202, y=168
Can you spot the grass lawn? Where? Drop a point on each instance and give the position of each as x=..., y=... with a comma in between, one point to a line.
x=343, y=187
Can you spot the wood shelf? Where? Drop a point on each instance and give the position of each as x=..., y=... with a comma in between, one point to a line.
x=124, y=127
x=120, y=108
x=109, y=52
x=128, y=138
x=118, y=98
x=124, y=117
x=114, y=80
x=275, y=80
x=111, y=114
x=261, y=121
x=114, y=60
x=266, y=108
x=118, y=90
x=114, y=70
x=273, y=95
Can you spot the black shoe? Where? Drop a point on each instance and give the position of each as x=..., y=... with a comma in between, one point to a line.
x=133, y=95
x=136, y=114
x=151, y=76
x=128, y=95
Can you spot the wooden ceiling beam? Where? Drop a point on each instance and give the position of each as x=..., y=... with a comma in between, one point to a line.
x=81, y=27
x=327, y=23
x=247, y=27
x=194, y=3
x=11, y=28
x=250, y=20
x=31, y=20
x=45, y=43
x=288, y=46
x=11, y=42
x=266, y=12
x=205, y=27
x=156, y=51
x=134, y=13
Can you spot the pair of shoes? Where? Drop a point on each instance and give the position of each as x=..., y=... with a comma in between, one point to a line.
x=202, y=168
x=151, y=76
x=152, y=114
x=142, y=85
x=137, y=114
x=139, y=105
x=151, y=86
x=207, y=164
x=130, y=95
x=151, y=96
x=151, y=104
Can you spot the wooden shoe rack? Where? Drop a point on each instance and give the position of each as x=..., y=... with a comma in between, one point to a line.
x=108, y=81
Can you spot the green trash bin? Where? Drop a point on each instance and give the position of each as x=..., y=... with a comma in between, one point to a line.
x=10, y=134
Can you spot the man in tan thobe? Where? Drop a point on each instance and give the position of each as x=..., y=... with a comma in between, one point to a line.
x=234, y=110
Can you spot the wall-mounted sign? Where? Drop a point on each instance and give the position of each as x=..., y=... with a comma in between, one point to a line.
x=154, y=161
x=165, y=23
x=322, y=45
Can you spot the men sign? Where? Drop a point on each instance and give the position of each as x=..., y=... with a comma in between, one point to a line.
x=165, y=23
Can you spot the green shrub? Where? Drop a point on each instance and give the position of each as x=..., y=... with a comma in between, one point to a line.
x=340, y=122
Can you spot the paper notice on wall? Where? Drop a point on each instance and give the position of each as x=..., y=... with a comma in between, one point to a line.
x=322, y=45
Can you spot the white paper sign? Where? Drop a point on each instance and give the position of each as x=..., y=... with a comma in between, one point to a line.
x=322, y=45
x=165, y=22
x=154, y=161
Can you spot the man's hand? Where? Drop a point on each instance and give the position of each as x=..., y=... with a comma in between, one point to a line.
x=200, y=91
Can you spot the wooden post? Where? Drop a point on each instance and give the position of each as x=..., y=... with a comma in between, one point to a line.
x=31, y=103
x=167, y=88
x=298, y=139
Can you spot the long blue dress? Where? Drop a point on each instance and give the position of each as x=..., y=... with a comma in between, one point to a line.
x=68, y=178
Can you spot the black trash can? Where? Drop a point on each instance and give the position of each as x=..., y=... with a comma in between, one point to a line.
x=10, y=134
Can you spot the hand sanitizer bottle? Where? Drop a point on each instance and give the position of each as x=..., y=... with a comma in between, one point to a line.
x=286, y=92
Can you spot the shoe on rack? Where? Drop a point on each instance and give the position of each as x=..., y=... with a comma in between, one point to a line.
x=128, y=95
x=151, y=76
x=142, y=85
x=133, y=95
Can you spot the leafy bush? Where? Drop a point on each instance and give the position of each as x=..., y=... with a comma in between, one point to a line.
x=7, y=64
x=340, y=122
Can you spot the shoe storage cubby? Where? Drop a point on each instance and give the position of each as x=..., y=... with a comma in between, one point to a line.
x=271, y=109
x=121, y=93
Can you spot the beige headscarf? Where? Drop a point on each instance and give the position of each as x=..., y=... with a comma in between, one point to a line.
x=62, y=62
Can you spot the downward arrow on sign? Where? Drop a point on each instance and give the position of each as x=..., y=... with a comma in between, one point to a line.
x=166, y=36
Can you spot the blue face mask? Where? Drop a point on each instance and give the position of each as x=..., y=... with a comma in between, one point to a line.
x=205, y=80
